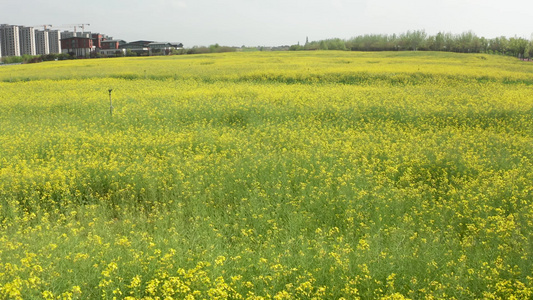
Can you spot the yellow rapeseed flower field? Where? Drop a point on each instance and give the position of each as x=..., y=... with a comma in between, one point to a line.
x=308, y=175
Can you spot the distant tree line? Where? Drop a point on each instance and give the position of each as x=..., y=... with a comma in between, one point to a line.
x=418, y=40
x=216, y=48
x=35, y=58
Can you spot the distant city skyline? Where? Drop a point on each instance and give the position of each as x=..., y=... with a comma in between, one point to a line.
x=275, y=22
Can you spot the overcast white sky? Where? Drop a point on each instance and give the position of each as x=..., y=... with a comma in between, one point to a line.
x=272, y=22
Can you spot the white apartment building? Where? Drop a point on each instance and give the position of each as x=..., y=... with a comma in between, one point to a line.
x=42, y=44
x=27, y=40
x=54, y=40
x=9, y=36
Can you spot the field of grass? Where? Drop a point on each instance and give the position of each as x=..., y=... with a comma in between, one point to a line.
x=303, y=175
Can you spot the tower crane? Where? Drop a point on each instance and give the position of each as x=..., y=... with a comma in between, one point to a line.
x=82, y=26
x=45, y=26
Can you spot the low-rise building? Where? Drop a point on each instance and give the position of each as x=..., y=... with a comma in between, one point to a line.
x=177, y=45
x=112, y=44
x=97, y=40
x=139, y=47
x=77, y=46
x=112, y=52
x=163, y=48
x=112, y=48
x=158, y=48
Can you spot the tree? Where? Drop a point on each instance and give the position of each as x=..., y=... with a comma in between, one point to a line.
x=467, y=42
x=500, y=45
x=517, y=46
x=415, y=39
x=527, y=51
x=296, y=47
x=335, y=44
x=214, y=48
x=530, y=48
x=439, y=42
x=484, y=44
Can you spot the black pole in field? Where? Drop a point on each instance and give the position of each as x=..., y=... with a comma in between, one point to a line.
x=110, y=103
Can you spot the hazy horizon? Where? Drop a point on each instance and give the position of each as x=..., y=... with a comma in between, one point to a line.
x=273, y=23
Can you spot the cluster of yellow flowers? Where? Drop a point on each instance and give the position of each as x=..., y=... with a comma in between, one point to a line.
x=308, y=175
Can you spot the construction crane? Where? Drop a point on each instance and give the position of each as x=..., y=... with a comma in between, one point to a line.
x=82, y=26
x=45, y=26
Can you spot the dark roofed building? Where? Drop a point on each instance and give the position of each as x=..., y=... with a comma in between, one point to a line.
x=139, y=47
x=177, y=45
x=139, y=44
x=163, y=48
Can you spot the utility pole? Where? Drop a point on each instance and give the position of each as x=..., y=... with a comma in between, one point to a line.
x=110, y=103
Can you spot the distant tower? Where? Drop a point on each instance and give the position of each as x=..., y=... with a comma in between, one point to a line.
x=306, y=40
